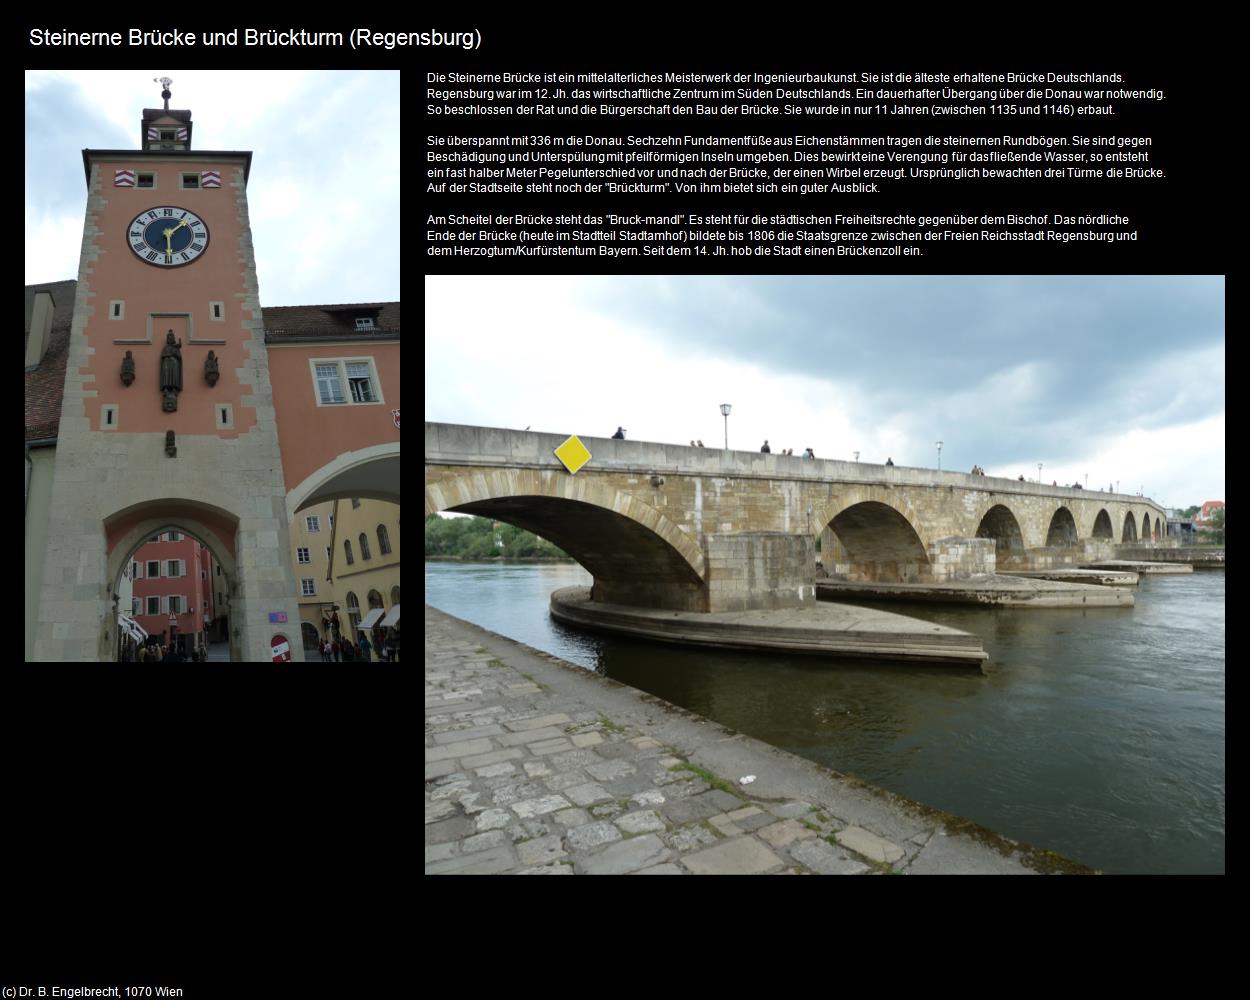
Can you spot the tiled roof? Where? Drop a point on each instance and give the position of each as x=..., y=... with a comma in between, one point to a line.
x=45, y=385
x=292, y=322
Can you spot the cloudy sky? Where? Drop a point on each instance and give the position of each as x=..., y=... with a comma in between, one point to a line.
x=1120, y=378
x=325, y=166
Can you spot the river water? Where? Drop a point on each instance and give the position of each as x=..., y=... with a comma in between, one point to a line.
x=1095, y=733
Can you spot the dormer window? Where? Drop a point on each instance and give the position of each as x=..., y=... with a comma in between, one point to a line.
x=364, y=323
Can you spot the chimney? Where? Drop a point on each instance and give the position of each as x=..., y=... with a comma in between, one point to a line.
x=40, y=328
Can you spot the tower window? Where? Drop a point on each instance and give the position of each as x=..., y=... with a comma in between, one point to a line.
x=146, y=181
x=117, y=309
x=190, y=181
x=364, y=323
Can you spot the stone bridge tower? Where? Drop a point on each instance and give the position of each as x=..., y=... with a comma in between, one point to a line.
x=153, y=433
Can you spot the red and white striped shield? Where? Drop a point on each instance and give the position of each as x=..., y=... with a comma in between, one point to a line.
x=124, y=178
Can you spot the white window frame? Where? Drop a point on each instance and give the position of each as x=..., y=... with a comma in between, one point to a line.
x=147, y=604
x=308, y=586
x=365, y=323
x=180, y=567
x=341, y=363
x=147, y=569
x=303, y=555
x=117, y=309
x=312, y=522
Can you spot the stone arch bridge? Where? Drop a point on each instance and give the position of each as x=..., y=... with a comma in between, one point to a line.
x=704, y=529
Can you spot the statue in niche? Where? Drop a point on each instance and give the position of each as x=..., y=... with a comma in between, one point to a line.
x=171, y=372
x=128, y=369
x=211, y=372
x=170, y=450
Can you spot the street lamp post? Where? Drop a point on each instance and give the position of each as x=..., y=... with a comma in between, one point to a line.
x=939, y=444
x=725, y=408
x=1039, y=473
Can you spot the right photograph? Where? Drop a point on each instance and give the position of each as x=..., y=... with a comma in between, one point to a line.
x=960, y=538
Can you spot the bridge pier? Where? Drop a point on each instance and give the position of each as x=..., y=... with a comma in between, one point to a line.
x=754, y=570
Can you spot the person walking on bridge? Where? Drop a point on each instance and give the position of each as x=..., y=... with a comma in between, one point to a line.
x=619, y=435
x=766, y=450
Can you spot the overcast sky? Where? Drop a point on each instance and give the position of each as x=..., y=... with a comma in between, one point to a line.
x=1120, y=378
x=324, y=186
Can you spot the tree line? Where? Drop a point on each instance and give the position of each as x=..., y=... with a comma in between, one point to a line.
x=482, y=538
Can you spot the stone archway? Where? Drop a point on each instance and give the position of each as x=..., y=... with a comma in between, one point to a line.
x=129, y=530
x=636, y=554
x=868, y=537
x=1002, y=525
x=1129, y=532
x=1062, y=533
x=1102, y=526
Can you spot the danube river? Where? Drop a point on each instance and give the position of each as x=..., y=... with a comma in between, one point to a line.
x=1096, y=733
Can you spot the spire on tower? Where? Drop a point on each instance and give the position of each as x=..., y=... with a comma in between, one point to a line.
x=164, y=81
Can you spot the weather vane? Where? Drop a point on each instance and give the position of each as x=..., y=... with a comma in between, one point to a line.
x=164, y=81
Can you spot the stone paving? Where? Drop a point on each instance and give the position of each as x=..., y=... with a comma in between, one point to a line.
x=537, y=767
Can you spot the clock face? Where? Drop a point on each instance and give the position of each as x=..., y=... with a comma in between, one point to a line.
x=167, y=236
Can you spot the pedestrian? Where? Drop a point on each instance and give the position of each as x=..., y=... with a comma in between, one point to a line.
x=619, y=435
x=143, y=654
x=334, y=648
x=325, y=650
x=692, y=442
x=700, y=442
x=889, y=461
x=766, y=450
x=809, y=453
x=349, y=654
x=363, y=646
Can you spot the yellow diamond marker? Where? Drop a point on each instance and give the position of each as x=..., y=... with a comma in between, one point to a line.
x=572, y=454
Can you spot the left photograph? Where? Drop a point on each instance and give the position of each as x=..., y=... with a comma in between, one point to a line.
x=212, y=390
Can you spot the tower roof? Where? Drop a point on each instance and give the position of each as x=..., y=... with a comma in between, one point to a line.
x=165, y=129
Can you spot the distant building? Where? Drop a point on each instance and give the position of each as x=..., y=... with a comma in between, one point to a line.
x=347, y=558
x=174, y=576
x=1208, y=511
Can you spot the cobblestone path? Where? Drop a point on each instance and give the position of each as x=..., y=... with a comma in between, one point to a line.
x=537, y=767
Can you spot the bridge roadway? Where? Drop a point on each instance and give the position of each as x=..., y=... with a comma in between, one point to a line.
x=705, y=529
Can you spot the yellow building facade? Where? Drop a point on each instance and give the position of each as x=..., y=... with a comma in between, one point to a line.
x=346, y=556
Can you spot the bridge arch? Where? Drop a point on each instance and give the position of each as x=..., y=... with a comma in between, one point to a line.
x=1102, y=526
x=1001, y=524
x=877, y=536
x=1129, y=532
x=636, y=554
x=1145, y=527
x=1061, y=532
